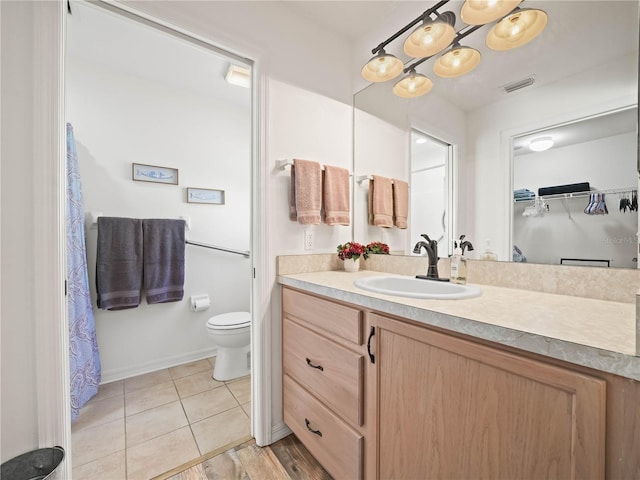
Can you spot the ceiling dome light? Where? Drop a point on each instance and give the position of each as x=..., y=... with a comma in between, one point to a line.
x=481, y=12
x=431, y=37
x=541, y=144
x=457, y=61
x=412, y=85
x=382, y=67
x=516, y=29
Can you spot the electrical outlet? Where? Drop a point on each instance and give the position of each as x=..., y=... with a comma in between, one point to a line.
x=308, y=239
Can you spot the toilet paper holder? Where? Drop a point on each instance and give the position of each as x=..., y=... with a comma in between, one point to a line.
x=199, y=303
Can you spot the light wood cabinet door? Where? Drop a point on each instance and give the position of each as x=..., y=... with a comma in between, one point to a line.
x=332, y=373
x=452, y=409
x=337, y=446
x=327, y=316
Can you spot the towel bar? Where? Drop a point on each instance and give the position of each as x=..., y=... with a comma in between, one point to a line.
x=282, y=164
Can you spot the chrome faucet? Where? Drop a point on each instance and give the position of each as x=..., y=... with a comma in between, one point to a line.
x=431, y=246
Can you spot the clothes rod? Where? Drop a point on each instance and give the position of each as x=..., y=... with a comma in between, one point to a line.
x=222, y=249
x=564, y=196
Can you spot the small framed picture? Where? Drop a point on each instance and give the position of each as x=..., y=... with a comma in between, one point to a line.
x=205, y=195
x=153, y=173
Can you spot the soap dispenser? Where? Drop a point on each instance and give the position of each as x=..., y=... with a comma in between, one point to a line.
x=458, y=265
x=459, y=262
x=488, y=253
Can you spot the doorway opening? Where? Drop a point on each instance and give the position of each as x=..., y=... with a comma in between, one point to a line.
x=431, y=161
x=139, y=93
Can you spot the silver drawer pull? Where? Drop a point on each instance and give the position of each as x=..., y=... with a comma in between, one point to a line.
x=319, y=367
x=317, y=432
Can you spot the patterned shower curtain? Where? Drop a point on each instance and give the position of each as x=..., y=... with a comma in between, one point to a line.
x=83, y=346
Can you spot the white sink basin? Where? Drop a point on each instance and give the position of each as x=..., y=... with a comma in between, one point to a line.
x=417, y=288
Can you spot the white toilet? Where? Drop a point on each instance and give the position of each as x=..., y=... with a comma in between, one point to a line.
x=231, y=333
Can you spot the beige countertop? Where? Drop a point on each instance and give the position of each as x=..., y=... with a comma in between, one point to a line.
x=595, y=333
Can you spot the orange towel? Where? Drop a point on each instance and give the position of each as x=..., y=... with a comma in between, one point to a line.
x=336, y=195
x=380, y=202
x=307, y=181
x=400, y=203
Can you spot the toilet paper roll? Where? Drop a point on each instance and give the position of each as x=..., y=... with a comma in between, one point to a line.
x=200, y=303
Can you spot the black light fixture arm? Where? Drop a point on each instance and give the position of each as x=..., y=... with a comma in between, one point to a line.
x=459, y=36
x=428, y=12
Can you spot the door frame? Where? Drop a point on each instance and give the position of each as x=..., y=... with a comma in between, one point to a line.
x=51, y=322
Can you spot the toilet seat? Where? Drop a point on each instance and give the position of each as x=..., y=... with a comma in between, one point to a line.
x=229, y=321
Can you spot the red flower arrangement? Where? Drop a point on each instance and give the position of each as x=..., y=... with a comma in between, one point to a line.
x=378, y=247
x=352, y=251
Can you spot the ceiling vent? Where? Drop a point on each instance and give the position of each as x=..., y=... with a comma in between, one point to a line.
x=512, y=87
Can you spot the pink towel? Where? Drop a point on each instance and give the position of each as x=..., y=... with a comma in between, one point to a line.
x=380, y=202
x=306, y=178
x=293, y=213
x=400, y=203
x=336, y=195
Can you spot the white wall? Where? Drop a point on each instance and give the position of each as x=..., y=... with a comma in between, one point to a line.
x=119, y=119
x=284, y=46
x=488, y=186
x=301, y=124
x=301, y=67
x=380, y=148
x=19, y=409
x=289, y=47
x=566, y=231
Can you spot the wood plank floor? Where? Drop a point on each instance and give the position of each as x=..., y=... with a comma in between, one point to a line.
x=286, y=459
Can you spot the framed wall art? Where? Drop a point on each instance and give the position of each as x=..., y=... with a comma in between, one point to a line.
x=153, y=173
x=205, y=195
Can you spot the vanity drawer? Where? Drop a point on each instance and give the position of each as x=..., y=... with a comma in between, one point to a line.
x=331, y=372
x=331, y=441
x=340, y=320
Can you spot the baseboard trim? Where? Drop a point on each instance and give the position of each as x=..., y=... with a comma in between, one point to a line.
x=278, y=432
x=167, y=362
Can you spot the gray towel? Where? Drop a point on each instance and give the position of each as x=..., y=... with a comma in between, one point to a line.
x=119, y=263
x=163, y=260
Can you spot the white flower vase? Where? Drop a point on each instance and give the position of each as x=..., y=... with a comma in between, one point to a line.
x=351, y=265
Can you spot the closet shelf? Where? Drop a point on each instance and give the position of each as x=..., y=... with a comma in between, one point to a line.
x=564, y=196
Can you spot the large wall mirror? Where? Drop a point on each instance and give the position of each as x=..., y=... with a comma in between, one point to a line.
x=582, y=70
x=575, y=188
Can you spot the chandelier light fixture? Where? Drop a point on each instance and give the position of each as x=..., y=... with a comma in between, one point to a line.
x=457, y=61
x=516, y=29
x=436, y=33
x=412, y=85
x=382, y=67
x=481, y=12
x=432, y=36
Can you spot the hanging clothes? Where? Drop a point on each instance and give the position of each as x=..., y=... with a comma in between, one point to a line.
x=84, y=360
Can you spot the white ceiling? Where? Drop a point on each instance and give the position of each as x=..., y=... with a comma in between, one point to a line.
x=96, y=36
x=579, y=35
x=589, y=129
x=350, y=19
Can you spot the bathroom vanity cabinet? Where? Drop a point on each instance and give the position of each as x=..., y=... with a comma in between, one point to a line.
x=324, y=381
x=377, y=396
x=450, y=408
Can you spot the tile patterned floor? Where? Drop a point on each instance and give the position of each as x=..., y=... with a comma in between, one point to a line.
x=140, y=427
